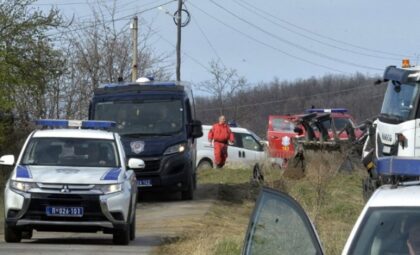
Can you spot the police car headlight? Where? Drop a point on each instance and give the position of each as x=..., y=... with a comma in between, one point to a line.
x=22, y=186
x=178, y=148
x=109, y=188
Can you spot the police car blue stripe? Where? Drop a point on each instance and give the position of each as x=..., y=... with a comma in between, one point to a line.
x=112, y=174
x=398, y=166
x=22, y=172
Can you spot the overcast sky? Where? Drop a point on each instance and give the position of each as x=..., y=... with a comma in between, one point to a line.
x=287, y=39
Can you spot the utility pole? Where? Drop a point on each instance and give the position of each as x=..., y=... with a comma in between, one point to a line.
x=178, y=42
x=134, y=35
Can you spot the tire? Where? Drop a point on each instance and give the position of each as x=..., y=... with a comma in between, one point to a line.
x=12, y=235
x=189, y=193
x=204, y=165
x=121, y=236
x=133, y=227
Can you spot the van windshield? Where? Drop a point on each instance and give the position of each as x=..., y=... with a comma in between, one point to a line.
x=143, y=117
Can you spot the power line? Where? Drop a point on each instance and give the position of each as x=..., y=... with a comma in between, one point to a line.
x=112, y=20
x=266, y=44
x=304, y=35
x=208, y=41
x=293, y=44
x=290, y=99
x=321, y=35
x=183, y=51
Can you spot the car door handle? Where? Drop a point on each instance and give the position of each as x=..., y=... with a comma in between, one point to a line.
x=243, y=154
x=239, y=153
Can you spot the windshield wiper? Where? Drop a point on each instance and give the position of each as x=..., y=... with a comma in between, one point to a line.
x=391, y=117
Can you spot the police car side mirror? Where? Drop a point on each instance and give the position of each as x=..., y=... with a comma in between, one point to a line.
x=7, y=160
x=196, y=129
x=136, y=163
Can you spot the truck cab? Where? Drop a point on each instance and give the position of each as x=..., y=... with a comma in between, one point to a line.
x=156, y=122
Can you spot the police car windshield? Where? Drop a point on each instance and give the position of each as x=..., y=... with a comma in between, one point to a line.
x=71, y=152
x=387, y=230
x=143, y=117
x=399, y=102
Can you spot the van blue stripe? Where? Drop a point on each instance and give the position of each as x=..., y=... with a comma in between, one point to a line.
x=112, y=174
x=22, y=172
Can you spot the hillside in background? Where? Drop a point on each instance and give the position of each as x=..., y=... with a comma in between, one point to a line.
x=251, y=107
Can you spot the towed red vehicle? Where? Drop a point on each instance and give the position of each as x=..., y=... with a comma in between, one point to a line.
x=314, y=125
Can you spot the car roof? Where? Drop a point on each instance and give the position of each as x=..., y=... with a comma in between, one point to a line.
x=233, y=129
x=395, y=196
x=74, y=133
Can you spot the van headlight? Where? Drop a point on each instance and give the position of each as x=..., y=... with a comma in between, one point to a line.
x=177, y=148
x=109, y=188
x=22, y=186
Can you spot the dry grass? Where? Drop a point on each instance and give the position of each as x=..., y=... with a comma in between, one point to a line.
x=332, y=199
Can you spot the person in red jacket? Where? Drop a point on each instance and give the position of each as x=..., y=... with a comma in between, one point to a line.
x=221, y=135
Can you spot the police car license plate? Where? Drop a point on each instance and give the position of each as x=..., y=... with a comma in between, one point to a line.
x=64, y=211
x=144, y=183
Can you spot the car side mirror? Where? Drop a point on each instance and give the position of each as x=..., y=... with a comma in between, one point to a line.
x=7, y=160
x=196, y=129
x=136, y=163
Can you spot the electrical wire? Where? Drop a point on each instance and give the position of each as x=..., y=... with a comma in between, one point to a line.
x=293, y=44
x=266, y=44
x=208, y=40
x=321, y=35
x=112, y=20
x=304, y=35
x=290, y=99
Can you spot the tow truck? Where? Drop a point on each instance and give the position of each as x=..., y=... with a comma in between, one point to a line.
x=396, y=131
x=71, y=177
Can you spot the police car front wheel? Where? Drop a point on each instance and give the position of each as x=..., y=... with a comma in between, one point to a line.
x=12, y=235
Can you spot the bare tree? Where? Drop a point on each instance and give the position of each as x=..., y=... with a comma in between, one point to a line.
x=223, y=85
x=99, y=51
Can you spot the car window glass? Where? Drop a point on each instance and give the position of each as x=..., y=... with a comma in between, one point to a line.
x=282, y=125
x=388, y=231
x=238, y=140
x=71, y=152
x=340, y=123
x=280, y=227
x=249, y=142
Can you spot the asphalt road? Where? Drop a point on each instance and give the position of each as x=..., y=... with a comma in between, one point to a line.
x=159, y=217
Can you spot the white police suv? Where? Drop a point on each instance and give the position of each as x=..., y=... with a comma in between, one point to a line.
x=72, y=180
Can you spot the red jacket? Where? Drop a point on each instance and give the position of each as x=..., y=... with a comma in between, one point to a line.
x=221, y=133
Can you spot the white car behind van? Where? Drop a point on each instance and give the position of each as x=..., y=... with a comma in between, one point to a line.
x=246, y=152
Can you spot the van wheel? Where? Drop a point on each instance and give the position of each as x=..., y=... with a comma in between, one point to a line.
x=12, y=235
x=121, y=236
x=189, y=193
x=204, y=165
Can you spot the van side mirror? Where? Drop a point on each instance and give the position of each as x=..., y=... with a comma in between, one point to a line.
x=196, y=129
x=136, y=163
x=7, y=160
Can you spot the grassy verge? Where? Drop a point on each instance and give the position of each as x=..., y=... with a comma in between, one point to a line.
x=333, y=201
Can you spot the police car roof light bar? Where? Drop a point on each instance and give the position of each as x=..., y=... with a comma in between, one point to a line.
x=89, y=124
x=333, y=110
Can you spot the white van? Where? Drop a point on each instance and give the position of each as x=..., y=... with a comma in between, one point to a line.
x=247, y=150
